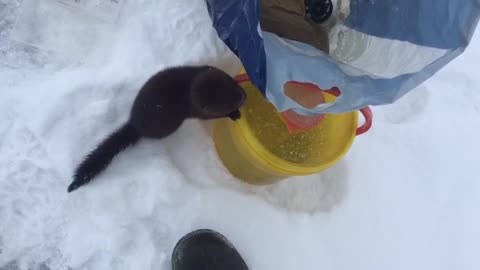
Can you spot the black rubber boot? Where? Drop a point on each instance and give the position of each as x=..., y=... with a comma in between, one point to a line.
x=206, y=250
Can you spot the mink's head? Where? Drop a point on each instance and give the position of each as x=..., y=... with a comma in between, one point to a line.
x=214, y=94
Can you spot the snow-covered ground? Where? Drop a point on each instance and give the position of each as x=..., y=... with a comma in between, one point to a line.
x=405, y=197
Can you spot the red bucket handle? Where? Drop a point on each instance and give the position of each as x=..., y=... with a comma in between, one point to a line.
x=241, y=78
x=366, y=112
x=368, y=115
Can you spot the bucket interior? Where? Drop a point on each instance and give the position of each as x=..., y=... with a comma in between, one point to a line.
x=314, y=148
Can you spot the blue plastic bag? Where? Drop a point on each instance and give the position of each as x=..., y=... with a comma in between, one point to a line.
x=379, y=52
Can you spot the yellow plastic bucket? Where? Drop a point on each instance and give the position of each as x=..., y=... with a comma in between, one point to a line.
x=259, y=149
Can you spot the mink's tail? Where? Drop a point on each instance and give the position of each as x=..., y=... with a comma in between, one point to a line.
x=101, y=157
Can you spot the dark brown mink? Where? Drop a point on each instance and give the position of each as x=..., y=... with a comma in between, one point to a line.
x=162, y=104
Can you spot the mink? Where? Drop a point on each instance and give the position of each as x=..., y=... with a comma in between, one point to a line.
x=162, y=104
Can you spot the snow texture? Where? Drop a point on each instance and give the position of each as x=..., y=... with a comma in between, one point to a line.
x=405, y=197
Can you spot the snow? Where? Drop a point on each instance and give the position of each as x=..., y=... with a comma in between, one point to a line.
x=405, y=197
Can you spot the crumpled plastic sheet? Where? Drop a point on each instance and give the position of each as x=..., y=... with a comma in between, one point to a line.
x=378, y=53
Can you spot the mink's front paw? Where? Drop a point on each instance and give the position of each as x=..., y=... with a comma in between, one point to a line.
x=235, y=115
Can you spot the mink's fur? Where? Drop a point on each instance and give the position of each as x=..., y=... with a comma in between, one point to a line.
x=161, y=106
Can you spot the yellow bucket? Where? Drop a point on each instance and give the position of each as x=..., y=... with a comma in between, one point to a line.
x=259, y=149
